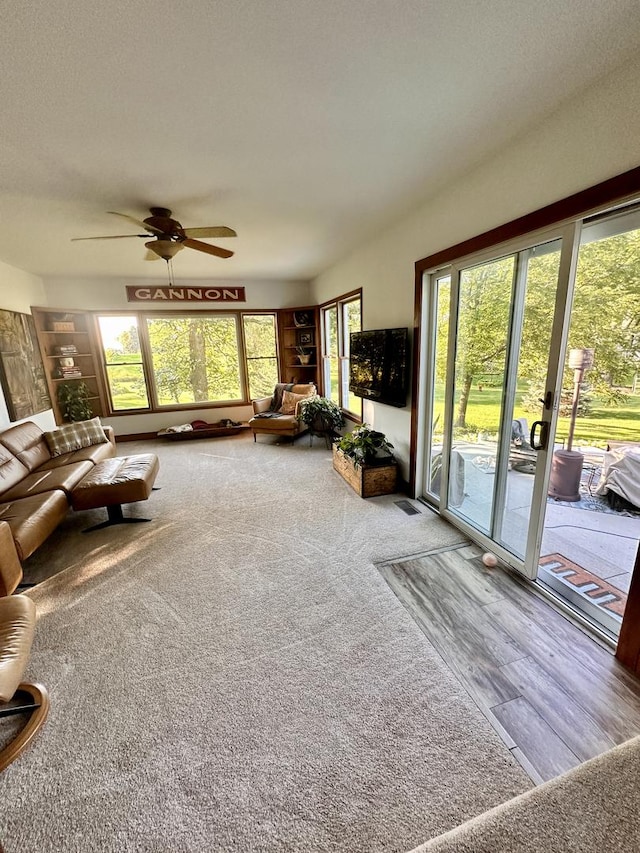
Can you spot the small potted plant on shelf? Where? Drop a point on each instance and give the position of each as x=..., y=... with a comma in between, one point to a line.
x=73, y=398
x=304, y=354
x=364, y=458
x=321, y=415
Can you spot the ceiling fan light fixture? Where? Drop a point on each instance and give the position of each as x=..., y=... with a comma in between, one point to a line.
x=165, y=249
x=166, y=236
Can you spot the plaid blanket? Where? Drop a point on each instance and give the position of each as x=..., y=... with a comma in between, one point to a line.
x=276, y=400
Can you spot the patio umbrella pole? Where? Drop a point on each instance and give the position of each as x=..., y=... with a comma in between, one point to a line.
x=566, y=467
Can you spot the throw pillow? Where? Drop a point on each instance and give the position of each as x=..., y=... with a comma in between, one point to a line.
x=75, y=436
x=289, y=400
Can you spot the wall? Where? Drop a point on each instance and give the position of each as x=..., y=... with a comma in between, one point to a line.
x=592, y=138
x=18, y=291
x=108, y=294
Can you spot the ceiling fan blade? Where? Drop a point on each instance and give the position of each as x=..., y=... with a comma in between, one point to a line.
x=206, y=247
x=137, y=222
x=213, y=231
x=110, y=237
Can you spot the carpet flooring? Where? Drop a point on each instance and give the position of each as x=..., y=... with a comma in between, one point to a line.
x=236, y=675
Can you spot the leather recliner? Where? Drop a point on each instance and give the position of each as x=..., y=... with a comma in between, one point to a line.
x=17, y=626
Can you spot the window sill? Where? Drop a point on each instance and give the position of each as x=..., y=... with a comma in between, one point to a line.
x=184, y=407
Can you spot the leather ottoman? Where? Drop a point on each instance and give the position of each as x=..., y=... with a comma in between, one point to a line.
x=117, y=481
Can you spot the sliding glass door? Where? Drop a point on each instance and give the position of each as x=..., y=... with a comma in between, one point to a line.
x=495, y=348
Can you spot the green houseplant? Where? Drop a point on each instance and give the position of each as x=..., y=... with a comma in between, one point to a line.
x=364, y=458
x=366, y=446
x=73, y=398
x=321, y=415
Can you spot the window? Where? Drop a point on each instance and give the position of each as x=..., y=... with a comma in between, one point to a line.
x=261, y=353
x=330, y=360
x=339, y=319
x=123, y=362
x=157, y=361
x=351, y=322
x=195, y=359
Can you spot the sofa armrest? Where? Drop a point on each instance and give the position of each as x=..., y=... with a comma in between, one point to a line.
x=261, y=405
x=10, y=566
x=109, y=432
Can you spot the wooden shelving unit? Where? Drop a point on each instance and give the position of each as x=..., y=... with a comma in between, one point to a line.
x=59, y=331
x=298, y=328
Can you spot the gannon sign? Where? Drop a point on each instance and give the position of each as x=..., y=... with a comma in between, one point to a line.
x=185, y=294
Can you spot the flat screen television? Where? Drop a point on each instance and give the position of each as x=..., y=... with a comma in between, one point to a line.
x=378, y=365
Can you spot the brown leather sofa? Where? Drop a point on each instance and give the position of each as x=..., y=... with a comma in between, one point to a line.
x=35, y=492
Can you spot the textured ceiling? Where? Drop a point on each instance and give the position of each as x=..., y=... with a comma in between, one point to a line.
x=303, y=125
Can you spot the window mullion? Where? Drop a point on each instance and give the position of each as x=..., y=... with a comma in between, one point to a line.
x=147, y=362
x=242, y=353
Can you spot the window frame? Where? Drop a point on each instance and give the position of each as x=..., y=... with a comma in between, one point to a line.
x=104, y=364
x=196, y=404
x=154, y=407
x=339, y=304
x=247, y=359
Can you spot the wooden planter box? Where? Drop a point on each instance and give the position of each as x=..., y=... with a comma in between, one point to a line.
x=367, y=480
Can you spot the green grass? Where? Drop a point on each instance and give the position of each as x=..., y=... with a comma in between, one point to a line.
x=603, y=424
x=123, y=399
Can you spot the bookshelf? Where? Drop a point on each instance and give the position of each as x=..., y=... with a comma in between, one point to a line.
x=69, y=354
x=300, y=345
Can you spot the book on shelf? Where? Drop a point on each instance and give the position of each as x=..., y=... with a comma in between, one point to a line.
x=69, y=373
x=66, y=349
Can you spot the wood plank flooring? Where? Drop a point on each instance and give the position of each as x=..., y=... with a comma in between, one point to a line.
x=552, y=692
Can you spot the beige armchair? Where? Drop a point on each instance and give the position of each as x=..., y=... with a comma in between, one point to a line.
x=283, y=421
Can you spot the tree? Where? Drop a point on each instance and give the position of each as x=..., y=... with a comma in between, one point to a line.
x=483, y=317
x=260, y=345
x=605, y=317
x=606, y=309
x=196, y=359
x=198, y=378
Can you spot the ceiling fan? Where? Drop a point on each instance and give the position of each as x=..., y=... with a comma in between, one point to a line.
x=169, y=235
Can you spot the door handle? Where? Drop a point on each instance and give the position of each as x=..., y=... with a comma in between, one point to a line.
x=544, y=435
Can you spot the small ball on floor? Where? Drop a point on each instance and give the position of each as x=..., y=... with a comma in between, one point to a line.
x=490, y=560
